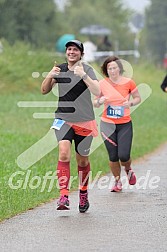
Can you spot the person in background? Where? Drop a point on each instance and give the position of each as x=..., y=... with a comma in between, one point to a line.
x=164, y=84
x=74, y=119
x=105, y=44
x=116, y=124
x=89, y=49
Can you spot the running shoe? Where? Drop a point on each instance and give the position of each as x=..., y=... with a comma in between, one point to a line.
x=63, y=203
x=83, y=202
x=117, y=187
x=131, y=176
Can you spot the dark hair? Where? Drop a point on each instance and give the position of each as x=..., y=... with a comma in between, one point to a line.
x=108, y=60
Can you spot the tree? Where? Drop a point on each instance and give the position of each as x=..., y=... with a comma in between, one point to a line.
x=41, y=23
x=110, y=14
x=28, y=20
x=156, y=29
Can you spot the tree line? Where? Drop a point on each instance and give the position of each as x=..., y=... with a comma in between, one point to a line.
x=41, y=23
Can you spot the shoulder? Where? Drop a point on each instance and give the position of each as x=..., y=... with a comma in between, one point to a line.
x=87, y=67
x=128, y=81
x=101, y=82
x=104, y=81
x=104, y=84
x=132, y=84
x=90, y=71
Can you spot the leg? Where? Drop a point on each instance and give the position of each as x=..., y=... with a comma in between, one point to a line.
x=82, y=148
x=63, y=173
x=115, y=169
x=83, y=171
x=82, y=145
x=125, y=135
x=109, y=135
x=64, y=136
x=63, y=167
x=127, y=165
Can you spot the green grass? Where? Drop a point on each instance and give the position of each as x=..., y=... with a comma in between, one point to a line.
x=19, y=130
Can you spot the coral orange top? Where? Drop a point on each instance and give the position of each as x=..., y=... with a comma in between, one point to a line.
x=116, y=93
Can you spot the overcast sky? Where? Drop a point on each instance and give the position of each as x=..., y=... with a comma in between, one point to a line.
x=137, y=5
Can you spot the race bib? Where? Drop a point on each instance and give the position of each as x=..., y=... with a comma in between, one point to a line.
x=57, y=124
x=115, y=111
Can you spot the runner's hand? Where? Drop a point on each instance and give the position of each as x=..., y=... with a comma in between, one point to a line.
x=79, y=70
x=54, y=72
x=102, y=100
x=126, y=104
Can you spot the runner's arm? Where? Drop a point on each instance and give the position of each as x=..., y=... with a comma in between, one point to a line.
x=136, y=98
x=93, y=85
x=164, y=84
x=49, y=81
x=98, y=101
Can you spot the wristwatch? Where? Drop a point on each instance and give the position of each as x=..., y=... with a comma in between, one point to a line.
x=84, y=77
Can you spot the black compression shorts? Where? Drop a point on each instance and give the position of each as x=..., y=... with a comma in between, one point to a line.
x=118, y=140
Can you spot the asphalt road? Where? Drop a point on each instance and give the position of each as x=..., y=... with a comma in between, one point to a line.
x=132, y=220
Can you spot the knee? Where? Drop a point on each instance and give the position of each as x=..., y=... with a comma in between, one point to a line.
x=64, y=156
x=113, y=158
x=124, y=158
x=82, y=161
